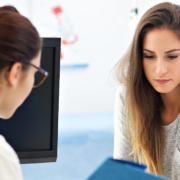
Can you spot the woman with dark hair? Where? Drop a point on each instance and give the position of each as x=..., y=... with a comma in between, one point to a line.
x=147, y=106
x=20, y=54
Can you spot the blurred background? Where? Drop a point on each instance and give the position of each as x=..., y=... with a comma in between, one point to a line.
x=94, y=36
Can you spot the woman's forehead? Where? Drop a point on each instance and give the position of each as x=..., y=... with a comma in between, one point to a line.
x=37, y=59
x=161, y=39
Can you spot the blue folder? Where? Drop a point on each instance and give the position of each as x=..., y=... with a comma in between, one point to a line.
x=113, y=169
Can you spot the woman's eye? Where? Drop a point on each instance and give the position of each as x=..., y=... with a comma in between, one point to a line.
x=170, y=57
x=149, y=57
x=173, y=57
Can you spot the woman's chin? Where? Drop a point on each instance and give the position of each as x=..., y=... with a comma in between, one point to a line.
x=7, y=116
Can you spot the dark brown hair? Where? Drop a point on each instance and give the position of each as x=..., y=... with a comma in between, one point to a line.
x=19, y=39
x=144, y=104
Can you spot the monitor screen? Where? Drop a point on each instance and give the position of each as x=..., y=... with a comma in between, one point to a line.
x=33, y=129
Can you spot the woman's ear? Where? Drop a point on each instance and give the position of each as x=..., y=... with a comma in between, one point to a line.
x=14, y=74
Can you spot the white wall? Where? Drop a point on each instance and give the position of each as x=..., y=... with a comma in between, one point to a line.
x=104, y=36
x=21, y=5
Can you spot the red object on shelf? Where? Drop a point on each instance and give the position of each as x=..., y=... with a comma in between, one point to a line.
x=57, y=10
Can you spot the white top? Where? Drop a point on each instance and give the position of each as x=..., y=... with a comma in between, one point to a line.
x=9, y=162
x=171, y=163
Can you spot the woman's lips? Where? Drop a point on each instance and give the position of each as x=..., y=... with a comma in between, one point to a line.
x=162, y=82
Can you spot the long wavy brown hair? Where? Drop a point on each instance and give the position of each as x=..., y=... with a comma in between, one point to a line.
x=143, y=103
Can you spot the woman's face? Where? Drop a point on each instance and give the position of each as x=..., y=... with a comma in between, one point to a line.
x=27, y=80
x=161, y=59
x=17, y=87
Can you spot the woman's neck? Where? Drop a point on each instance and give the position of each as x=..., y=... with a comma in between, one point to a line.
x=171, y=105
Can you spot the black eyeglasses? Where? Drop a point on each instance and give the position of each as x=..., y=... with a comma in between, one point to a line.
x=40, y=75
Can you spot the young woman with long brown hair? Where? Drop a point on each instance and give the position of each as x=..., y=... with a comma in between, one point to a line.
x=20, y=53
x=147, y=106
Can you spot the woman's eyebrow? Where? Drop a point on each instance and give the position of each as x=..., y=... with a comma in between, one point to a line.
x=165, y=52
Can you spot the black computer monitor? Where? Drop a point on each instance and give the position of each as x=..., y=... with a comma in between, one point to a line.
x=33, y=129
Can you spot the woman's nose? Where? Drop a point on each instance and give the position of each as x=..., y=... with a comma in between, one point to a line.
x=161, y=67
